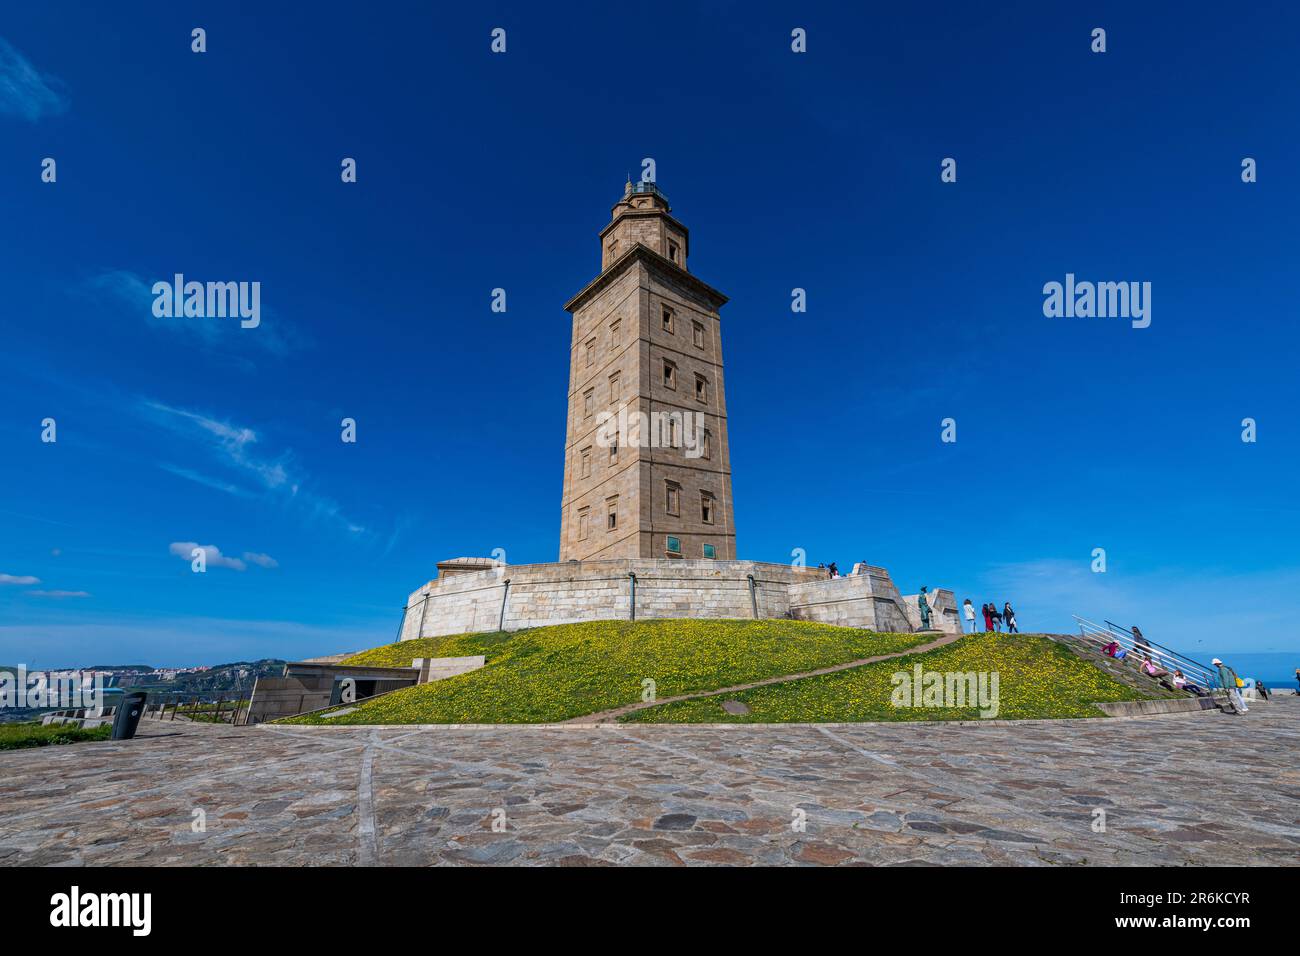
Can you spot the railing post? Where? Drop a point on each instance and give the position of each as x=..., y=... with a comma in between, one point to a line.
x=505, y=596
x=423, y=608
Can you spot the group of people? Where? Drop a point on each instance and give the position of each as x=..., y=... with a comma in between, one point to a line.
x=1177, y=681
x=994, y=620
x=1227, y=677
x=833, y=570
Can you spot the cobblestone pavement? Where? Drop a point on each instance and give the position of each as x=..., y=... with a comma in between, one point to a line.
x=669, y=795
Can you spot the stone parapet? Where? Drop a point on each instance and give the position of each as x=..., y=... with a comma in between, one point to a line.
x=534, y=595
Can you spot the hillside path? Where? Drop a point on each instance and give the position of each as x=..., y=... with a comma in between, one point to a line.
x=606, y=716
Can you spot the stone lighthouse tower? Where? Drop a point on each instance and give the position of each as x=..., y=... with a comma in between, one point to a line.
x=647, y=468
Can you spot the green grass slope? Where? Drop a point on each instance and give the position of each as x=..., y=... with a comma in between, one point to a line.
x=21, y=735
x=554, y=673
x=1037, y=677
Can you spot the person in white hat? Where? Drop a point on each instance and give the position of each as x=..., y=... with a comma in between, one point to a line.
x=1228, y=678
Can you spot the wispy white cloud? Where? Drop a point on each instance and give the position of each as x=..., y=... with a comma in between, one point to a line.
x=234, y=442
x=18, y=579
x=61, y=594
x=203, y=479
x=214, y=558
x=212, y=555
x=134, y=293
x=236, y=447
x=25, y=91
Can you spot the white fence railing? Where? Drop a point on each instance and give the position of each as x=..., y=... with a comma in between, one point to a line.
x=1197, y=673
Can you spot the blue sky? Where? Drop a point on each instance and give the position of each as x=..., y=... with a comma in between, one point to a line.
x=478, y=171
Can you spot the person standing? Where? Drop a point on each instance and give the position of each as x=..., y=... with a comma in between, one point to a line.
x=1009, y=616
x=988, y=624
x=1228, y=678
x=969, y=610
x=1237, y=685
x=997, y=617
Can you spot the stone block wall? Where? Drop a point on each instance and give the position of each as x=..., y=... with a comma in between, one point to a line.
x=867, y=600
x=309, y=685
x=535, y=595
x=566, y=592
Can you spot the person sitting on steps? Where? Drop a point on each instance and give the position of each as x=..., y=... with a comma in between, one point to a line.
x=1149, y=667
x=1181, y=682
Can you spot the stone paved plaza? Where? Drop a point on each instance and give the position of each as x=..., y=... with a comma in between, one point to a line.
x=669, y=795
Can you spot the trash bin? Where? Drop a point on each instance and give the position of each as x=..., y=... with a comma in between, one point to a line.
x=127, y=717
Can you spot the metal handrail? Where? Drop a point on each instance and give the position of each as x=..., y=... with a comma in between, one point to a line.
x=646, y=188
x=1197, y=673
x=1150, y=643
x=1182, y=661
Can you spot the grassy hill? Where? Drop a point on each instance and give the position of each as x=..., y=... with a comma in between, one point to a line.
x=1037, y=677
x=555, y=673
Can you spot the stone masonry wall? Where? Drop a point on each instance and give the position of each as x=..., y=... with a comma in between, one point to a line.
x=567, y=592
x=867, y=600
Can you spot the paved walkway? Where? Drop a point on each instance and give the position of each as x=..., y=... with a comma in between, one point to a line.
x=608, y=716
x=669, y=795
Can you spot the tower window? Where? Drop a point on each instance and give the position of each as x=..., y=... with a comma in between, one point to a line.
x=668, y=320
x=591, y=351
x=613, y=448
x=614, y=328
x=708, y=444
x=706, y=507
x=612, y=511
x=709, y=551
x=697, y=334
x=701, y=388
x=583, y=521
x=672, y=251
x=614, y=383
x=668, y=429
x=673, y=493
x=674, y=546
x=586, y=462
x=588, y=400
x=670, y=375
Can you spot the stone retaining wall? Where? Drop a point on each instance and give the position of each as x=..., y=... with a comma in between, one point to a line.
x=307, y=686
x=533, y=595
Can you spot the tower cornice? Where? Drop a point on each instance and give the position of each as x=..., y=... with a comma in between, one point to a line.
x=662, y=264
x=647, y=214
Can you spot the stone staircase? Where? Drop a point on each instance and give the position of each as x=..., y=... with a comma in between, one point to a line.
x=1125, y=672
